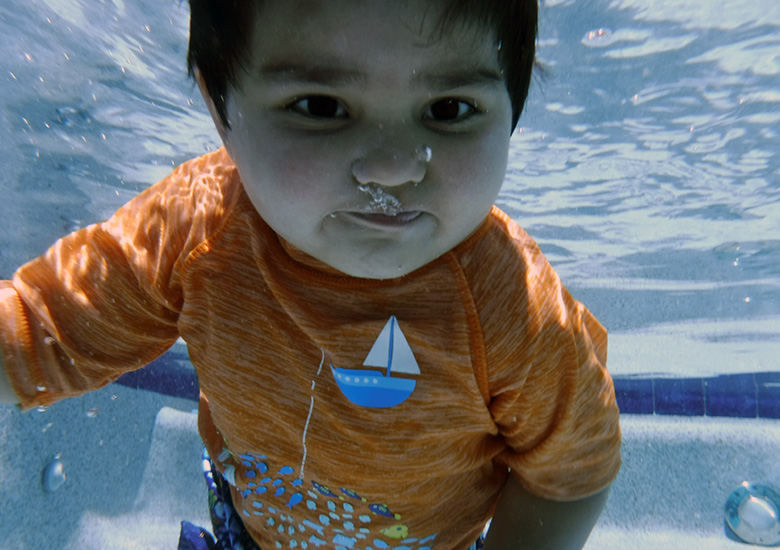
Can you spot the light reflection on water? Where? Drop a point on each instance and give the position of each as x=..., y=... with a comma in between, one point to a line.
x=646, y=164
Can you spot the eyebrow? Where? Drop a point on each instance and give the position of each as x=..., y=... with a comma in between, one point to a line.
x=333, y=75
x=310, y=74
x=479, y=76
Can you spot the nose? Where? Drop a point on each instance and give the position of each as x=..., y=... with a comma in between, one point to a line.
x=390, y=165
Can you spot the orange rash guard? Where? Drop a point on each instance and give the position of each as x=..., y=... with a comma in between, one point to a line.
x=345, y=412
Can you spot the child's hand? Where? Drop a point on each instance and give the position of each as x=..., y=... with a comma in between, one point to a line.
x=7, y=395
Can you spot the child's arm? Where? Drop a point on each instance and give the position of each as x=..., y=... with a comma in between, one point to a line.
x=525, y=521
x=7, y=395
x=106, y=299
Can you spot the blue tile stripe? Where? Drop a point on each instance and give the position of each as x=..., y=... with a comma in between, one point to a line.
x=171, y=374
x=752, y=395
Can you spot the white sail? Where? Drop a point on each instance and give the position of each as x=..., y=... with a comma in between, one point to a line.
x=402, y=357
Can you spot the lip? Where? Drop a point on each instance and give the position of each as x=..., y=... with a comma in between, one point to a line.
x=377, y=219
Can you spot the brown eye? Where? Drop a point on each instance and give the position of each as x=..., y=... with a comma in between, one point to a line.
x=319, y=106
x=449, y=110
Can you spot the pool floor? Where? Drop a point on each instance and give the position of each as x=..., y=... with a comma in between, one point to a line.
x=132, y=461
x=677, y=474
x=132, y=465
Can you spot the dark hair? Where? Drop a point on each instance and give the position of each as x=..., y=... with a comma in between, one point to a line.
x=221, y=30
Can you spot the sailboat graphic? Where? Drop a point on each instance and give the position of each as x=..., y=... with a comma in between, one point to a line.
x=369, y=388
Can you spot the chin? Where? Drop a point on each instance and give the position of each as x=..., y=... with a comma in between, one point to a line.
x=380, y=270
x=367, y=272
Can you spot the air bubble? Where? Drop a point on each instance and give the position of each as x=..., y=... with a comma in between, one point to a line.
x=424, y=154
x=71, y=224
x=40, y=388
x=53, y=475
x=598, y=38
x=381, y=200
x=92, y=413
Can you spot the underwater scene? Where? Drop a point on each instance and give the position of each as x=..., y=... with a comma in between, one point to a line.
x=645, y=163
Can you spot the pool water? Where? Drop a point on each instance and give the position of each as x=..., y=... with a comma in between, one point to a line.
x=648, y=171
x=645, y=163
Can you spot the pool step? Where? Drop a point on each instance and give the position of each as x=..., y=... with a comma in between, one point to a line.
x=677, y=474
x=172, y=489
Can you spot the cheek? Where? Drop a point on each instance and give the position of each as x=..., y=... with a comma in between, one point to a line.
x=478, y=171
x=276, y=169
x=288, y=172
x=300, y=165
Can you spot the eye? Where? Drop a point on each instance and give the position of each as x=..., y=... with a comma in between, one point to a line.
x=450, y=110
x=318, y=106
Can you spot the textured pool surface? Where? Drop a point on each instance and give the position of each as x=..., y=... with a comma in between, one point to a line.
x=677, y=474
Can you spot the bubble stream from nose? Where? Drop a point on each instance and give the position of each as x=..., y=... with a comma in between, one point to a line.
x=382, y=202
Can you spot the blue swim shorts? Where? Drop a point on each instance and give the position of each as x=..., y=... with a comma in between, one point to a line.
x=229, y=530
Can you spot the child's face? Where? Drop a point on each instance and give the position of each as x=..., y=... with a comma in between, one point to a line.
x=362, y=141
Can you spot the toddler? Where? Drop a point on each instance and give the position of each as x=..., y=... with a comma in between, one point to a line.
x=385, y=359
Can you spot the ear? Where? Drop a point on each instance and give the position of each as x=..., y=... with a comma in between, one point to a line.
x=222, y=129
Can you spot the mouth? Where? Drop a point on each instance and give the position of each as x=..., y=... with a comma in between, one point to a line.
x=399, y=219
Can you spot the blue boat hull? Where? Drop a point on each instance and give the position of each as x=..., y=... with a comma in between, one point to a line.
x=368, y=388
